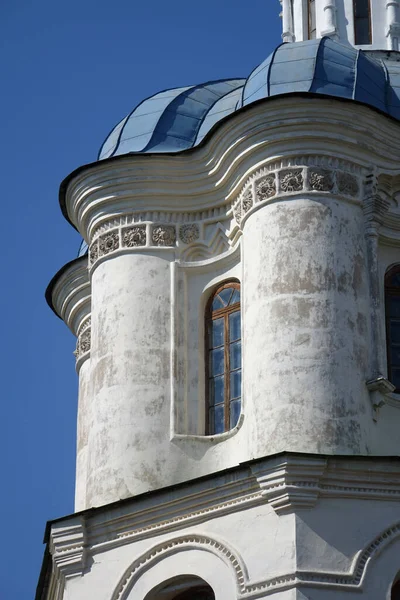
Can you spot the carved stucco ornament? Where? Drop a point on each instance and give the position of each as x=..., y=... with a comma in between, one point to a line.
x=94, y=252
x=247, y=201
x=291, y=181
x=320, y=180
x=266, y=187
x=189, y=233
x=163, y=235
x=134, y=236
x=347, y=184
x=108, y=242
x=84, y=341
x=237, y=211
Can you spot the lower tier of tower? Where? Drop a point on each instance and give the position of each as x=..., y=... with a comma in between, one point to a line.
x=290, y=526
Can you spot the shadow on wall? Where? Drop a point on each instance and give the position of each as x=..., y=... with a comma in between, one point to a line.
x=341, y=20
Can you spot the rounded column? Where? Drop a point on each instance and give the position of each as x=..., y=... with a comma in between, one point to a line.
x=306, y=326
x=130, y=375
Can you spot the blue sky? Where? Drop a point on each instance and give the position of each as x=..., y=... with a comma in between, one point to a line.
x=69, y=72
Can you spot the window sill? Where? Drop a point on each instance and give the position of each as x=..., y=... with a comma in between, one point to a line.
x=211, y=439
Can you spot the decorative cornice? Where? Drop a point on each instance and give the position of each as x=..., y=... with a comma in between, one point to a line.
x=376, y=200
x=299, y=175
x=292, y=483
x=68, y=547
x=69, y=293
x=208, y=177
x=183, y=511
x=288, y=483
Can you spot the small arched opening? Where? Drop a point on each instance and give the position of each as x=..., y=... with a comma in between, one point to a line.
x=395, y=594
x=187, y=587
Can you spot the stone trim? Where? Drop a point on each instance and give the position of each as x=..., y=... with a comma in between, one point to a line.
x=68, y=547
x=291, y=484
x=83, y=342
x=288, y=484
x=276, y=180
x=187, y=542
x=351, y=580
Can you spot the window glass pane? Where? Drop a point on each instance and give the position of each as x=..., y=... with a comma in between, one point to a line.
x=235, y=297
x=236, y=355
x=395, y=378
x=362, y=22
x=217, y=387
x=394, y=280
x=217, y=366
x=395, y=356
x=361, y=9
x=362, y=31
x=225, y=295
x=235, y=412
x=236, y=384
x=234, y=326
x=217, y=419
x=395, y=332
x=217, y=303
x=394, y=306
x=217, y=332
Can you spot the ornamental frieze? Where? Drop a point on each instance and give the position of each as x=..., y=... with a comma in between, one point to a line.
x=291, y=180
x=189, y=233
x=321, y=180
x=266, y=187
x=108, y=243
x=347, y=184
x=163, y=235
x=83, y=342
x=134, y=236
x=247, y=201
x=138, y=236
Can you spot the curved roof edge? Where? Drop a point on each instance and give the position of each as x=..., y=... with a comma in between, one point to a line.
x=149, y=155
x=53, y=281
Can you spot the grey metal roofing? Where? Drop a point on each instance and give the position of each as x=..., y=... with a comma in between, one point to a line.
x=178, y=119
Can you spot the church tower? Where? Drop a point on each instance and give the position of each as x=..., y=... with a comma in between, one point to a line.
x=236, y=303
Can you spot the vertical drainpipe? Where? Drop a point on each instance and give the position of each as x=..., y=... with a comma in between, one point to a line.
x=329, y=24
x=287, y=21
x=392, y=24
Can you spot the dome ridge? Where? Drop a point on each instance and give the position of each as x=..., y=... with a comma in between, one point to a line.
x=179, y=118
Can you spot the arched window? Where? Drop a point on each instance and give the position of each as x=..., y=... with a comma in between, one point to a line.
x=223, y=358
x=198, y=593
x=395, y=595
x=187, y=587
x=362, y=22
x=392, y=306
x=312, y=20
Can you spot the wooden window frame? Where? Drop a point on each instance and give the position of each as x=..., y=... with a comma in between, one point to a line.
x=369, y=25
x=211, y=315
x=390, y=292
x=309, y=18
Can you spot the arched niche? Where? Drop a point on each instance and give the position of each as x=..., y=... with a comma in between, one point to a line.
x=184, y=587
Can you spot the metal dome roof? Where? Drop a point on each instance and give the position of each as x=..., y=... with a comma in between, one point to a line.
x=178, y=119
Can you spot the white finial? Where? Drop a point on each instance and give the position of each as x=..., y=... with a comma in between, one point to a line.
x=287, y=21
x=392, y=24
